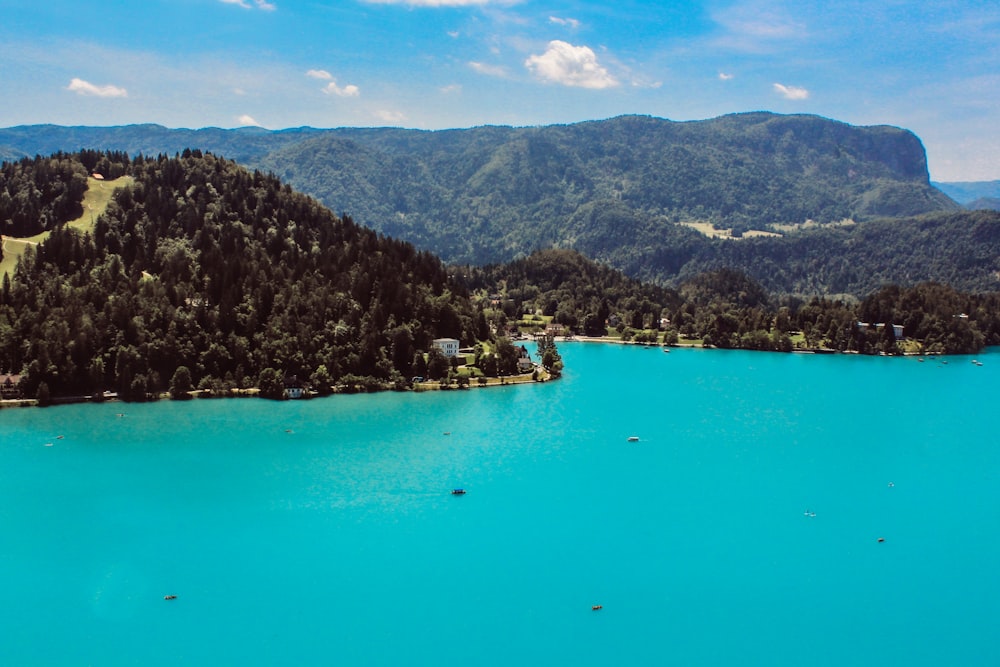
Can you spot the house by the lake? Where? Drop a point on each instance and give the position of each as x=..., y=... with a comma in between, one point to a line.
x=524, y=362
x=448, y=346
x=293, y=388
x=555, y=329
x=10, y=386
x=897, y=329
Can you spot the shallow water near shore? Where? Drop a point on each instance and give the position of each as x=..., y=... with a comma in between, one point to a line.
x=742, y=527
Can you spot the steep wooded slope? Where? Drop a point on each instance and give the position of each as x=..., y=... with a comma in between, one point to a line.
x=203, y=264
x=612, y=189
x=609, y=188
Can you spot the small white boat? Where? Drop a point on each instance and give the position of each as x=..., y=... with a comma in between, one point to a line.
x=633, y=438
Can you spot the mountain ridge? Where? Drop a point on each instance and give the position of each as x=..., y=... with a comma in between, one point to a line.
x=614, y=189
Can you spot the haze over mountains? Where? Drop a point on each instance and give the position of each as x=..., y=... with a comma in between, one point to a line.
x=616, y=190
x=966, y=192
x=973, y=195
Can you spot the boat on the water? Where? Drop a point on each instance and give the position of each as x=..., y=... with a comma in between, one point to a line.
x=633, y=438
x=458, y=492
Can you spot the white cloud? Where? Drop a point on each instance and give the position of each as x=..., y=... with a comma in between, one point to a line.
x=489, y=70
x=349, y=90
x=81, y=87
x=332, y=88
x=432, y=3
x=247, y=120
x=390, y=116
x=260, y=4
x=569, y=23
x=758, y=26
x=723, y=76
x=571, y=66
x=452, y=89
x=791, y=92
x=761, y=20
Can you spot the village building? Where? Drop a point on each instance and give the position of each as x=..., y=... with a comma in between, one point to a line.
x=10, y=386
x=524, y=362
x=293, y=388
x=448, y=346
x=897, y=329
x=555, y=329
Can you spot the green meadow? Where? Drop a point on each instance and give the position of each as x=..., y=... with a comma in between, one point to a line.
x=95, y=201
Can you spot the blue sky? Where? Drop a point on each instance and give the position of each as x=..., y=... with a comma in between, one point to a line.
x=932, y=67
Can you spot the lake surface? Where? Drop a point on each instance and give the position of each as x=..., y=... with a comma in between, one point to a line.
x=741, y=529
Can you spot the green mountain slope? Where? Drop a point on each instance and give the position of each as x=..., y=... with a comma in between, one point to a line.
x=610, y=187
x=613, y=189
x=200, y=272
x=961, y=249
x=984, y=203
x=202, y=264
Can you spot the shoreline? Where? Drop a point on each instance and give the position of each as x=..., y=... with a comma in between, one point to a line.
x=795, y=350
x=254, y=392
x=434, y=385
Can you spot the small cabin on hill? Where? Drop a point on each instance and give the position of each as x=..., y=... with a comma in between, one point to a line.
x=10, y=386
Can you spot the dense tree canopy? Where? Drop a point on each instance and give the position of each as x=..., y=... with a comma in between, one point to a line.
x=202, y=274
x=614, y=190
x=727, y=308
x=204, y=265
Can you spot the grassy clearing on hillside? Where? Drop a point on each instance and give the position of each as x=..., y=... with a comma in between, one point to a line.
x=95, y=201
x=713, y=232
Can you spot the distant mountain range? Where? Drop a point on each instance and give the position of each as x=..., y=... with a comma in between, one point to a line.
x=973, y=194
x=625, y=191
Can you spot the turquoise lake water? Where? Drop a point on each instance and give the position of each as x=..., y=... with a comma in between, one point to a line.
x=741, y=529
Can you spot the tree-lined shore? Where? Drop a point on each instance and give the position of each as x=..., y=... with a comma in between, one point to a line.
x=201, y=276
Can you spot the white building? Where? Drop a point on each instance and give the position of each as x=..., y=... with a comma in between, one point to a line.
x=448, y=346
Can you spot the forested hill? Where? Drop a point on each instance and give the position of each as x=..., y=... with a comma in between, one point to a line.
x=613, y=189
x=961, y=249
x=228, y=273
x=202, y=273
